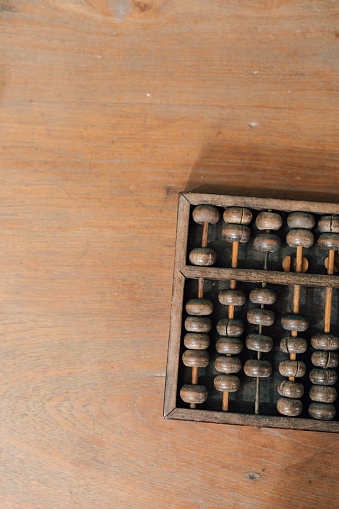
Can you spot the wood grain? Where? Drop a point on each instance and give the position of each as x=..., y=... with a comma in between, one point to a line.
x=108, y=110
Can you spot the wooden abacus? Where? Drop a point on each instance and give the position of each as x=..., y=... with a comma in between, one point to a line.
x=213, y=374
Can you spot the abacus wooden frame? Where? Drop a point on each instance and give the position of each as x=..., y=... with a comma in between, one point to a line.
x=183, y=271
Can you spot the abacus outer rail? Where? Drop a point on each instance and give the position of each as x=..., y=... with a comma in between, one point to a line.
x=259, y=421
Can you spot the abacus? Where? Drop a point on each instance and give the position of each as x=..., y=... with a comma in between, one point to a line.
x=254, y=319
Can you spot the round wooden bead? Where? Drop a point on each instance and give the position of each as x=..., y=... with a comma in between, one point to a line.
x=206, y=214
x=300, y=220
x=325, y=359
x=293, y=344
x=320, y=376
x=329, y=241
x=228, y=364
x=196, y=341
x=227, y=383
x=325, y=341
x=236, y=233
x=323, y=411
x=268, y=221
x=289, y=407
x=329, y=224
x=259, y=343
x=230, y=327
x=262, y=296
x=323, y=394
x=196, y=358
x=300, y=237
x=203, y=256
x=257, y=368
x=292, y=368
x=198, y=324
x=200, y=307
x=258, y=316
x=193, y=393
x=228, y=345
x=237, y=215
x=290, y=389
x=267, y=242
x=292, y=321
x=232, y=297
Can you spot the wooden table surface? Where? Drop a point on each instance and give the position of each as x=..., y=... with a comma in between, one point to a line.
x=108, y=110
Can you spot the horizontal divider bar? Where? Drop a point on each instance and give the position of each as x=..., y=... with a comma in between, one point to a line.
x=260, y=276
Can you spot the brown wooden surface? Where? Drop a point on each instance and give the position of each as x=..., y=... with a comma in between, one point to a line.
x=109, y=108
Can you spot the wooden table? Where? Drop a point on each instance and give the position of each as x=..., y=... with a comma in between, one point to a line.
x=108, y=110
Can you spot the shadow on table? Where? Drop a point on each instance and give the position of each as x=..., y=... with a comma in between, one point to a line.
x=266, y=171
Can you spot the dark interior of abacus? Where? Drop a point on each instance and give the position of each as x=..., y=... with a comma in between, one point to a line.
x=261, y=340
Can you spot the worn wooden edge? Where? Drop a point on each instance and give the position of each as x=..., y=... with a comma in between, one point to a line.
x=262, y=203
x=260, y=276
x=257, y=421
x=176, y=309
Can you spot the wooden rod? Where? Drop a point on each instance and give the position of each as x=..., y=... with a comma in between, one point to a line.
x=233, y=283
x=328, y=298
x=204, y=235
x=225, y=401
x=204, y=239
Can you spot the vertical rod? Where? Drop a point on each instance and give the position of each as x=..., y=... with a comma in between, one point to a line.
x=328, y=299
x=204, y=239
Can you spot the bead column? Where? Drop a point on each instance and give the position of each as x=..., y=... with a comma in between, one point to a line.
x=323, y=376
x=197, y=324
x=235, y=231
x=300, y=237
x=266, y=242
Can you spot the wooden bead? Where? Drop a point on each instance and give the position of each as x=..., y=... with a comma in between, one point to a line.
x=293, y=344
x=329, y=241
x=323, y=359
x=230, y=327
x=300, y=220
x=206, y=214
x=227, y=383
x=259, y=343
x=200, y=307
x=228, y=345
x=228, y=364
x=203, y=256
x=325, y=341
x=323, y=394
x=196, y=358
x=290, y=389
x=237, y=215
x=329, y=224
x=320, y=376
x=257, y=368
x=258, y=316
x=299, y=237
x=267, y=242
x=232, y=297
x=292, y=368
x=323, y=411
x=196, y=341
x=236, y=233
x=292, y=321
x=268, y=221
x=198, y=324
x=289, y=407
x=193, y=393
x=262, y=296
